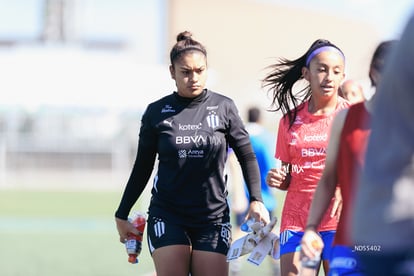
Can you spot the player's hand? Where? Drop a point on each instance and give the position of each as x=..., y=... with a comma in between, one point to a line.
x=124, y=228
x=277, y=178
x=311, y=244
x=258, y=212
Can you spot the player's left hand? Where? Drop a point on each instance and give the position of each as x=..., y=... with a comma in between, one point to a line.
x=258, y=212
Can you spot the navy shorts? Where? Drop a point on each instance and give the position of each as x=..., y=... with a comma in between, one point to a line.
x=214, y=237
x=290, y=242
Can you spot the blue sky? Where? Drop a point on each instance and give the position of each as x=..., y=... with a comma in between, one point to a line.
x=127, y=17
x=139, y=23
x=132, y=21
x=389, y=16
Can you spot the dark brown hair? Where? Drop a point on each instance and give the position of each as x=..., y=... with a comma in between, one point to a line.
x=379, y=57
x=185, y=43
x=284, y=74
x=253, y=115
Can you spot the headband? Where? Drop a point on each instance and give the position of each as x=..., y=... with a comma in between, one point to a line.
x=322, y=49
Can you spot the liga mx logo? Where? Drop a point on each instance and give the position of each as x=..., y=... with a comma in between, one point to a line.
x=212, y=119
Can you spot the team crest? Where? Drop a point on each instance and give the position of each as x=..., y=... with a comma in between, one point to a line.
x=212, y=119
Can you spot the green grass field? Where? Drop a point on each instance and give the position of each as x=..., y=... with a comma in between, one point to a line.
x=67, y=233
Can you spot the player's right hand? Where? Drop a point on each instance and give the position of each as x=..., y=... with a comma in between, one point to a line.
x=311, y=244
x=277, y=178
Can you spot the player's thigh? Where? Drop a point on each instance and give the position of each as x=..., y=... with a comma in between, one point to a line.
x=205, y=263
x=290, y=264
x=172, y=260
x=169, y=246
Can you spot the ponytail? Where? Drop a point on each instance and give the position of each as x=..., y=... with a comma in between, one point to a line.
x=283, y=76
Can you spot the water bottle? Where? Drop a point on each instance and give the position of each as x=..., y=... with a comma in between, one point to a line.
x=311, y=262
x=246, y=226
x=251, y=225
x=133, y=243
x=310, y=265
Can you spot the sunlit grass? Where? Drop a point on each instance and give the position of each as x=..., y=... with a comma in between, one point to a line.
x=69, y=233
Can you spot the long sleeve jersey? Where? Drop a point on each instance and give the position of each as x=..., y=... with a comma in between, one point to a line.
x=191, y=138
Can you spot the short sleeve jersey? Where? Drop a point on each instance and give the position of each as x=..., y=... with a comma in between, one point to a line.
x=304, y=146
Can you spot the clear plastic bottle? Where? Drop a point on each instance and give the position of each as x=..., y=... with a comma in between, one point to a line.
x=246, y=226
x=310, y=265
x=251, y=225
x=133, y=243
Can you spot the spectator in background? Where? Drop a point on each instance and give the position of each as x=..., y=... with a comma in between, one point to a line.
x=383, y=217
x=351, y=91
x=263, y=143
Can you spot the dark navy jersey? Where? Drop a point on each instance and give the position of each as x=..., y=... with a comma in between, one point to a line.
x=191, y=138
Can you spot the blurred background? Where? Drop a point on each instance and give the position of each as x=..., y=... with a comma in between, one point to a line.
x=76, y=75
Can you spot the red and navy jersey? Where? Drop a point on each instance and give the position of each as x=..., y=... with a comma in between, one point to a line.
x=191, y=138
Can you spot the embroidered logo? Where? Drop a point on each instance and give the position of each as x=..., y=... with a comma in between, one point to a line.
x=298, y=121
x=212, y=107
x=212, y=119
x=168, y=122
x=159, y=227
x=191, y=153
x=182, y=153
x=295, y=138
x=225, y=234
x=167, y=109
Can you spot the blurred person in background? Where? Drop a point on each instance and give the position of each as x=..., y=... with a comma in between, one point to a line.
x=344, y=163
x=383, y=216
x=302, y=140
x=190, y=130
x=351, y=91
x=263, y=144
